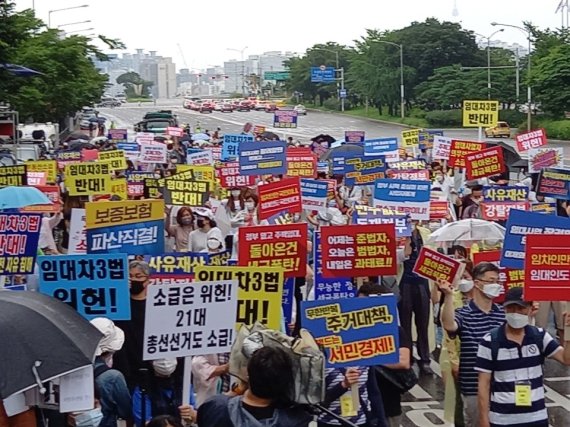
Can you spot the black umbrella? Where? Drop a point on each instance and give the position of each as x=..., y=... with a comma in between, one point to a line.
x=510, y=155
x=349, y=149
x=74, y=136
x=98, y=119
x=42, y=339
x=323, y=137
x=269, y=135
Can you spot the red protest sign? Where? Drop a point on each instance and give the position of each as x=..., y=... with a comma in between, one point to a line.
x=486, y=256
x=358, y=250
x=488, y=162
x=433, y=266
x=230, y=177
x=274, y=246
x=301, y=162
x=284, y=195
x=499, y=211
x=409, y=174
x=35, y=179
x=459, y=149
x=438, y=209
x=174, y=131
x=89, y=155
x=547, y=268
x=532, y=139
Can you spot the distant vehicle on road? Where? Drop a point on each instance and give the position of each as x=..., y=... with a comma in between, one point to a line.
x=269, y=108
x=300, y=109
x=157, y=122
x=500, y=129
x=109, y=102
x=206, y=107
x=227, y=108
x=244, y=106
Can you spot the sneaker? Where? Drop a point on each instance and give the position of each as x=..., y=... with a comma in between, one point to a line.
x=425, y=369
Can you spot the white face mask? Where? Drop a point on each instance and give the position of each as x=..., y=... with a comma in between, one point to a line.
x=249, y=205
x=516, y=320
x=439, y=178
x=465, y=285
x=213, y=244
x=236, y=193
x=492, y=290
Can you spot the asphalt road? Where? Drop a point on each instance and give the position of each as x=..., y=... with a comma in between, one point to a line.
x=423, y=405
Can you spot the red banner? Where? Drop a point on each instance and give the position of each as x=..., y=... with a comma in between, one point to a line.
x=459, y=149
x=547, y=268
x=486, y=256
x=409, y=175
x=358, y=250
x=230, y=177
x=284, y=195
x=301, y=162
x=532, y=139
x=438, y=209
x=499, y=211
x=488, y=162
x=52, y=192
x=274, y=246
x=433, y=266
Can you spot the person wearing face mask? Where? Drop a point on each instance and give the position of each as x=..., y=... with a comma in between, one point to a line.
x=234, y=206
x=198, y=239
x=471, y=323
x=511, y=387
x=182, y=229
x=110, y=386
x=470, y=204
x=250, y=201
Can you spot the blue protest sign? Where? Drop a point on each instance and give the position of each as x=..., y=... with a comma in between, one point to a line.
x=323, y=74
x=231, y=143
x=522, y=223
x=326, y=289
x=509, y=193
x=314, y=194
x=554, y=182
x=410, y=197
x=355, y=331
x=19, y=236
x=142, y=238
x=288, y=301
x=285, y=119
x=362, y=215
x=426, y=137
x=380, y=146
x=94, y=285
x=543, y=208
x=263, y=158
x=323, y=167
x=128, y=147
x=339, y=165
x=365, y=170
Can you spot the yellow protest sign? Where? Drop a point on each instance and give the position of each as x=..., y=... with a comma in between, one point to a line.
x=201, y=172
x=480, y=113
x=260, y=292
x=88, y=179
x=47, y=166
x=410, y=138
x=115, y=158
x=105, y=214
x=119, y=188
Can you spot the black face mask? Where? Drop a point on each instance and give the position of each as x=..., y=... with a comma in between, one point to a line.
x=137, y=287
x=200, y=223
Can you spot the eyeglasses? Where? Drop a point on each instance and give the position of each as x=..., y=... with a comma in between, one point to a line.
x=489, y=280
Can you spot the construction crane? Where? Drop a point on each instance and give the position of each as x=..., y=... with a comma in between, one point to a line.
x=182, y=55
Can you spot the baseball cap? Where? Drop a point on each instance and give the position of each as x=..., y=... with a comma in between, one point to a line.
x=515, y=296
x=113, y=336
x=204, y=212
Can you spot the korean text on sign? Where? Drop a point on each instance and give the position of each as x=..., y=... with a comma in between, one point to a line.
x=410, y=197
x=183, y=264
x=88, y=179
x=285, y=119
x=259, y=295
x=368, y=215
x=94, y=285
x=263, y=158
x=327, y=289
x=364, y=170
x=484, y=163
x=301, y=162
x=47, y=166
x=230, y=177
x=410, y=138
x=275, y=246
x=480, y=113
x=433, y=266
x=355, y=331
x=279, y=196
x=533, y=139
x=13, y=176
x=359, y=250
x=459, y=149
x=186, y=193
x=19, y=236
x=114, y=158
x=554, y=183
x=545, y=157
x=189, y=320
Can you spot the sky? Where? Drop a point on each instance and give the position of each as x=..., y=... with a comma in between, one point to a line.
x=199, y=34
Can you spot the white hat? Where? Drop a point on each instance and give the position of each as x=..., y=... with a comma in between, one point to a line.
x=164, y=367
x=204, y=212
x=113, y=338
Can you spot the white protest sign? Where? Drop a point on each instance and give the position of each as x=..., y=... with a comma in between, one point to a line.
x=153, y=153
x=76, y=390
x=15, y=404
x=190, y=320
x=441, y=147
x=203, y=157
x=77, y=233
x=36, y=178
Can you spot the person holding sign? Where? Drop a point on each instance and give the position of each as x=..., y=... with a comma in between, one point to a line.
x=181, y=231
x=511, y=388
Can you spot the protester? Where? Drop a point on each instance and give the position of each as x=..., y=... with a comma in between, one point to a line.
x=182, y=229
x=234, y=206
x=206, y=228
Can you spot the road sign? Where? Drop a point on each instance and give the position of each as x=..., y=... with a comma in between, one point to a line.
x=277, y=75
x=480, y=113
x=285, y=119
x=320, y=75
x=342, y=93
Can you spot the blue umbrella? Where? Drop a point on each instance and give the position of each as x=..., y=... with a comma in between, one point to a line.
x=200, y=137
x=20, y=197
x=21, y=71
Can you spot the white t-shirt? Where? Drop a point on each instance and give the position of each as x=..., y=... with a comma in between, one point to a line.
x=198, y=240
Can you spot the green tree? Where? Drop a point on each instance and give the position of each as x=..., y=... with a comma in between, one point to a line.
x=134, y=84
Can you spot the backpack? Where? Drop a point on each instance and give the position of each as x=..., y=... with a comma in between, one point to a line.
x=98, y=370
x=307, y=358
x=535, y=336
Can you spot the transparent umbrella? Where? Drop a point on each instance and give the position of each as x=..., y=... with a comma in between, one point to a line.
x=468, y=229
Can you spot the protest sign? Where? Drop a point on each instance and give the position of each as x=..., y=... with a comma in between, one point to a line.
x=486, y=256
x=411, y=197
x=67, y=157
x=152, y=188
x=435, y=266
x=499, y=211
x=547, y=268
x=355, y=331
x=134, y=227
x=131, y=149
x=364, y=171
x=287, y=300
x=409, y=175
x=230, y=177
x=52, y=193
x=301, y=162
x=88, y=179
x=89, y=155
x=361, y=250
x=554, y=183
x=459, y=149
x=438, y=209
x=509, y=278
x=326, y=289
x=231, y=143
x=543, y=208
x=115, y=158
x=185, y=193
x=258, y=129
x=498, y=201
x=441, y=147
x=410, y=138
x=169, y=267
x=259, y=296
x=275, y=246
x=387, y=147
x=427, y=137
x=480, y=113
x=488, y=162
x=175, y=131
x=118, y=134
x=545, y=157
x=19, y=236
x=135, y=182
x=362, y=214
x=13, y=176
x=314, y=194
x=275, y=197
x=49, y=167
x=94, y=285
x=408, y=164
x=36, y=178
x=153, y=153
x=520, y=225
x=202, y=157
x=339, y=165
x=189, y=320
x=77, y=232
x=531, y=139
x=354, y=136
x=199, y=173
x=286, y=119
x=119, y=188
x=263, y=158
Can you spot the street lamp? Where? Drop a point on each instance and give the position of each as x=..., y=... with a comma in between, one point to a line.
x=489, y=59
x=80, y=31
x=61, y=10
x=74, y=23
x=341, y=76
x=402, y=97
x=529, y=90
x=241, y=51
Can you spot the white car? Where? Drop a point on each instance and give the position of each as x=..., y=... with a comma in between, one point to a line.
x=300, y=109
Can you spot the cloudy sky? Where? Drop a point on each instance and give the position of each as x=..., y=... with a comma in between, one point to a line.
x=205, y=30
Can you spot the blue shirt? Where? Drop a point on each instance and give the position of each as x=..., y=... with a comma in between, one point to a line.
x=114, y=396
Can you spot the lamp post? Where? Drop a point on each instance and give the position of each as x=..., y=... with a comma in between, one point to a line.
x=61, y=10
x=80, y=31
x=74, y=23
x=529, y=90
x=402, y=94
x=489, y=58
x=341, y=76
x=241, y=51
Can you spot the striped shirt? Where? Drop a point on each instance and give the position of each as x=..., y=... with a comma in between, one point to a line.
x=473, y=324
x=333, y=377
x=515, y=363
